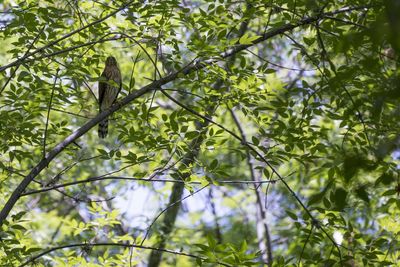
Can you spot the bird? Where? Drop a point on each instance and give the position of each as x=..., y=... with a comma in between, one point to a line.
x=109, y=89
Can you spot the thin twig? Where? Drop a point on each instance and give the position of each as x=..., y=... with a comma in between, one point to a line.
x=48, y=113
x=90, y=90
x=305, y=243
x=102, y=178
x=131, y=81
x=70, y=113
x=276, y=65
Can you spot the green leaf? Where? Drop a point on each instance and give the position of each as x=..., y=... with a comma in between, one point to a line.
x=255, y=140
x=214, y=164
x=386, y=179
x=174, y=125
x=308, y=41
x=22, y=75
x=316, y=198
x=191, y=135
x=291, y=215
x=32, y=250
x=246, y=39
x=211, y=241
x=18, y=216
x=18, y=227
x=339, y=198
x=362, y=193
x=389, y=192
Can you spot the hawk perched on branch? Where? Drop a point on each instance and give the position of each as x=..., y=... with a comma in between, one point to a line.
x=108, y=91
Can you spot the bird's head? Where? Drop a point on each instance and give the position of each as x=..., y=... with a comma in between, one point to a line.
x=111, y=61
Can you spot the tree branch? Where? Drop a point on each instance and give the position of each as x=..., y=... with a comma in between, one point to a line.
x=101, y=178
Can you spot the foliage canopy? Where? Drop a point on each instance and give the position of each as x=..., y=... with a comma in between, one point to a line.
x=246, y=133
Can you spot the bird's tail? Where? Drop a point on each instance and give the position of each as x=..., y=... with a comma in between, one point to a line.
x=103, y=128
